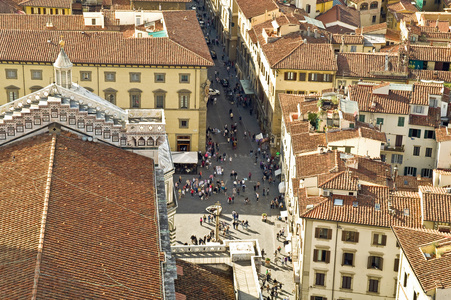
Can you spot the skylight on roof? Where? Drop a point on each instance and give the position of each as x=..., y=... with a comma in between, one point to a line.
x=338, y=202
x=377, y=206
x=406, y=212
x=355, y=204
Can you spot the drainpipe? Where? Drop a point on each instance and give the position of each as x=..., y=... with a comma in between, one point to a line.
x=335, y=260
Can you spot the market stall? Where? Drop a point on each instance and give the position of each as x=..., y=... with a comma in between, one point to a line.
x=185, y=162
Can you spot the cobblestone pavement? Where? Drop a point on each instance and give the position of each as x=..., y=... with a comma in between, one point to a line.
x=192, y=208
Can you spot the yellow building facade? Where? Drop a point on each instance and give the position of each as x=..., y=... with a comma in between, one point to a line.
x=179, y=91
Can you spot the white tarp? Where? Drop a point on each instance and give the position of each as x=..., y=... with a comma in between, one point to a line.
x=284, y=213
x=278, y=172
x=259, y=136
x=189, y=157
x=282, y=187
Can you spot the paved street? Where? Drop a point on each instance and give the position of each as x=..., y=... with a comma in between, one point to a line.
x=192, y=208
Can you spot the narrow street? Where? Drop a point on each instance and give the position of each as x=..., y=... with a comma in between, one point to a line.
x=192, y=208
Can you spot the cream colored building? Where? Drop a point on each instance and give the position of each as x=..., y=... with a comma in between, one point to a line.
x=409, y=122
x=348, y=250
x=370, y=11
x=168, y=70
x=424, y=264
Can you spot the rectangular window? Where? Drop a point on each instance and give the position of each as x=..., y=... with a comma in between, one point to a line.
x=401, y=121
x=319, y=279
x=315, y=77
x=327, y=78
x=353, y=48
x=184, y=101
x=302, y=76
x=348, y=149
x=416, y=151
x=396, y=265
x=379, y=239
x=36, y=74
x=290, y=76
x=374, y=19
x=184, y=78
x=380, y=121
x=433, y=102
x=418, y=109
x=93, y=21
x=348, y=259
x=426, y=173
x=85, y=75
x=12, y=94
x=135, y=77
x=159, y=101
x=373, y=285
x=110, y=97
x=375, y=262
x=396, y=159
x=320, y=255
x=184, y=124
x=362, y=118
x=110, y=76
x=350, y=236
x=11, y=73
x=429, y=134
x=405, y=279
x=428, y=152
x=410, y=171
x=415, y=133
x=160, y=77
x=383, y=158
x=323, y=233
x=346, y=282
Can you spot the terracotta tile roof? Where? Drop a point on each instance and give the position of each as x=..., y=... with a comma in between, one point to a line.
x=304, y=200
x=105, y=47
x=121, y=4
x=430, y=53
x=441, y=26
x=308, y=142
x=182, y=1
x=422, y=90
x=365, y=213
x=59, y=22
x=436, y=204
x=299, y=55
x=338, y=29
x=346, y=134
x=396, y=102
x=371, y=171
x=432, y=273
x=253, y=36
x=393, y=35
x=9, y=7
x=369, y=65
x=341, y=181
x=402, y=6
x=347, y=39
x=410, y=183
x=442, y=134
x=251, y=8
x=432, y=119
x=48, y=3
x=204, y=283
x=341, y=13
x=94, y=187
x=430, y=75
x=443, y=171
x=437, y=35
x=372, y=28
x=318, y=163
x=289, y=107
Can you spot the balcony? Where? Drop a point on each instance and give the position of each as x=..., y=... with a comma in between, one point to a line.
x=392, y=148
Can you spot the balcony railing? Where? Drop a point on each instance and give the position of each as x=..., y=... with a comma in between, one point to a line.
x=393, y=148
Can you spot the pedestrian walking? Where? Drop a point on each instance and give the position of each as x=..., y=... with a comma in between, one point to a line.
x=200, y=221
x=250, y=175
x=256, y=195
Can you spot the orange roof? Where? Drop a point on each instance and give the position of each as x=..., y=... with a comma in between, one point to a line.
x=90, y=189
x=432, y=273
x=436, y=204
x=47, y=3
x=430, y=53
x=443, y=134
x=251, y=8
x=184, y=46
x=369, y=65
x=361, y=209
x=341, y=181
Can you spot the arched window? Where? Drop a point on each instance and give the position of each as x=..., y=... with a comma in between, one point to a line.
x=364, y=6
x=373, y=5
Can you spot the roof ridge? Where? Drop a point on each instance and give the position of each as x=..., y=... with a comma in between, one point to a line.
x=301, y=42
x=332, y=178
x=37, y=269
x=189, y=50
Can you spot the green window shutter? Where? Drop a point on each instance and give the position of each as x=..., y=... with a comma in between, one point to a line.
x=418, y=133
x=362, y=118
x=400, y=121
x=410, y=132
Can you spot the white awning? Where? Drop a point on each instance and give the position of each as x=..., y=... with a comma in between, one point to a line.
x=278, y=172
x=284, y=213
x=282, y=187
x=189, y=157
x=259, y=136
